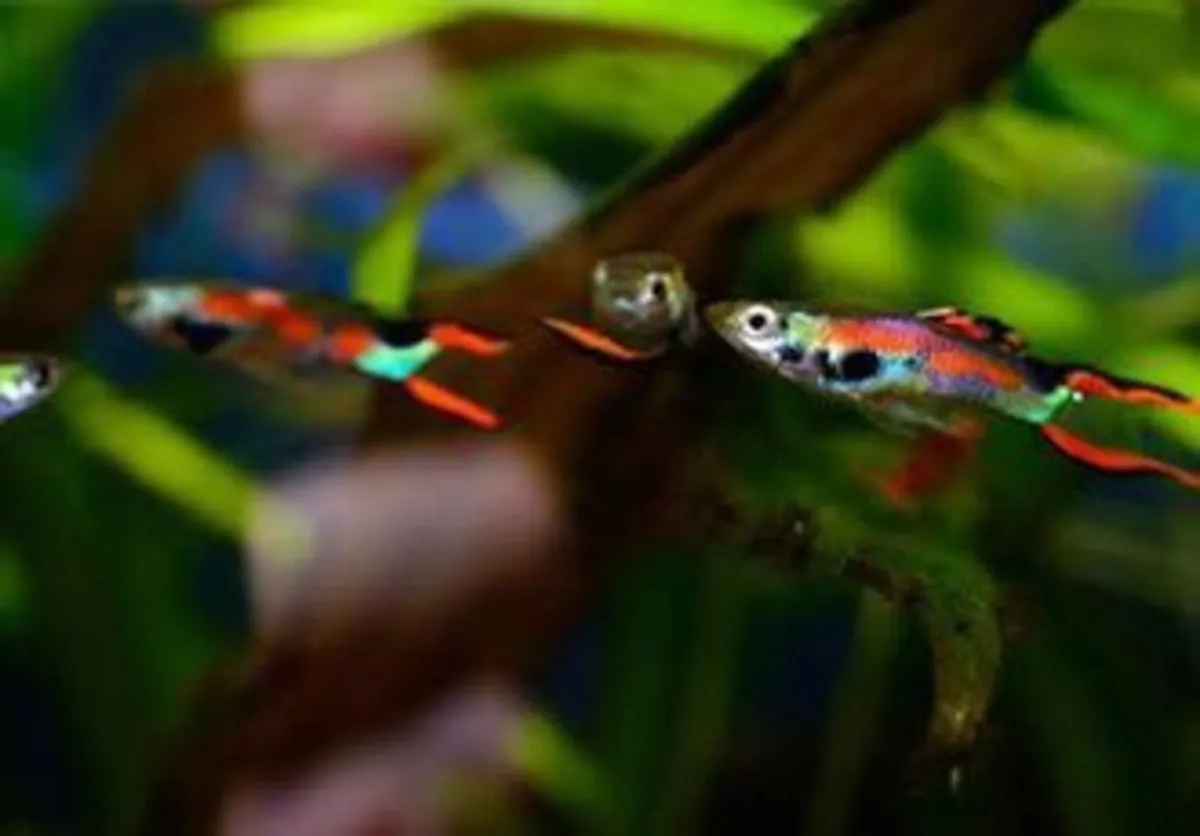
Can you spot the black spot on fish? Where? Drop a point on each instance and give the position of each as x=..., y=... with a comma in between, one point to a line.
x=826, y=368
x=859, y=365
x=1043, y=375
x=41, y=373
x=200, y=337
x=791, y=355
x=401, y=333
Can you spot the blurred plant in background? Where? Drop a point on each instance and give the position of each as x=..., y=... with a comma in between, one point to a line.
x=708, y=690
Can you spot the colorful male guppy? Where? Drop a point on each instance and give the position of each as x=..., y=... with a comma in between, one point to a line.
x=921, y=370
x=219, y=320
x=26, y=380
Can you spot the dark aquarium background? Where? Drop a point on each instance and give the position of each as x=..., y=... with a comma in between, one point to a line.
x=706, y=692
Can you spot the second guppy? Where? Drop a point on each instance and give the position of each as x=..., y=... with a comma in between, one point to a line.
x=215, y=319
x=928, y=369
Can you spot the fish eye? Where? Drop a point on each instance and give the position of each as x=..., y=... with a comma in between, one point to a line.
x=658, y=287
x=41, y=373
x=757, y=319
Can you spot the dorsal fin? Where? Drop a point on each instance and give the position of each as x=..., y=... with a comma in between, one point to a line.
x=400, y=332
x=980, y=329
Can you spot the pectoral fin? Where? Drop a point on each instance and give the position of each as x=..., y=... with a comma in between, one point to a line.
x=905, y=417
x=932, y=465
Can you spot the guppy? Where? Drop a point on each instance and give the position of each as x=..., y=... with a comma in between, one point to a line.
x=25, y=381
x=923, y=369
x=311, y=332
x=641, y=303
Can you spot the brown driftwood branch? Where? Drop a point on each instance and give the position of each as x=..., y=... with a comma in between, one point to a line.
x=620, y=441
x=810, y=126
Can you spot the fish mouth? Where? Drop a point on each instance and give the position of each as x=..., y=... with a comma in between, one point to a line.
x=127, y=300
x=719, y=314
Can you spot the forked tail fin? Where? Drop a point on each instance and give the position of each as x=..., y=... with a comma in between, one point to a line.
x=1114, y=460
x=1094, y=383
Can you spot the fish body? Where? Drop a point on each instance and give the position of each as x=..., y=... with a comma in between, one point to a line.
x=25, y=381
x=640, y=304
x=932, y=369
x=875, y=359
x=307, y=333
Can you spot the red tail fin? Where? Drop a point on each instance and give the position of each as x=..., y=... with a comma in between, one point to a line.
x=1116, y=461
x=452, y=335
x=1097, y=384
x=593, y=340
x=443, y=400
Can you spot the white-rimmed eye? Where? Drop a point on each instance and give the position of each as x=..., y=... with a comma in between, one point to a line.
x=600, y=273
x=757, y=320
x=658, y=288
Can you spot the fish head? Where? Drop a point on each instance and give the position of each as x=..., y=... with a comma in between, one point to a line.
x=772, y=335
x=173, y=315
x=25, y=380
x=642, y=298
x=153, y=307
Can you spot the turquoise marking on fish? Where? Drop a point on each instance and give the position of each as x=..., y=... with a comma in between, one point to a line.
x=396, y=363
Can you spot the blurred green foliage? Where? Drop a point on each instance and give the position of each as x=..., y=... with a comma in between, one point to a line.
x=101, y=535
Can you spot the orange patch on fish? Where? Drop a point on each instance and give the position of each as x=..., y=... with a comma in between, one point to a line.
x=228, y=305
x=349, y=341
x=853, y=334
x=967, y=364
x=295, y=330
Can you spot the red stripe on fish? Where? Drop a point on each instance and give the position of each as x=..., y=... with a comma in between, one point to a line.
x=293, y=329
x=455, y=336
x=349, y=341
x=969, y=364
x=443, y=400
x=229, y=305
x=1113, y=460
x=593, y=340
x=1096, y=384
